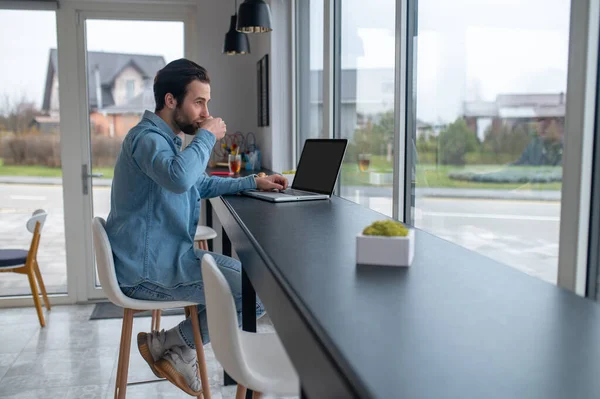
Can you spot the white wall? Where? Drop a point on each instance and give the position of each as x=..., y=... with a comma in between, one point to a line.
x=233, y=78
x=278, y=136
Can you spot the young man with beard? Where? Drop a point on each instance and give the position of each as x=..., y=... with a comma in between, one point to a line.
x=155, y=206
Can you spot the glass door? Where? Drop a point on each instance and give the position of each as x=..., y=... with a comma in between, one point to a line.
x=30, y=154
x=488, y=129
x=122, y=57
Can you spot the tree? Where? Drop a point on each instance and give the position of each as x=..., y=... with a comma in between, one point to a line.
x=546, y=146
x=504, y=139
x=16, y=116
x=374, y=137
x=427, y=143
x=455, y=141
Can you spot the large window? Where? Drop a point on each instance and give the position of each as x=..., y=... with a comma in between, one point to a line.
x=30, y=161
x=485, y=88
x=365, y=103
x=309, y=33
x=489, y=128
x=121, y=67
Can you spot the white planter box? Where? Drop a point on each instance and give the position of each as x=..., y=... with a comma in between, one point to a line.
x=381, y=179
x=385, y=251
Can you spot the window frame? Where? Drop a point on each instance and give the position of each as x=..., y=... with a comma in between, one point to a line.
x=581, y=117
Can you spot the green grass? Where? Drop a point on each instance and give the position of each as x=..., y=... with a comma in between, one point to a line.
x=427, y=175
x=432, y=176
x=43, y=171
x=437, y=176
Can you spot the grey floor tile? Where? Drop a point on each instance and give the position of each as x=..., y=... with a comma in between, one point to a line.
x=3, y=371
x=57, y=315
x=88, y=392
x=38, y=393
x=8, y=359
x=15, y=337
x=79, y=392
x=98, y=361
x=73, y=357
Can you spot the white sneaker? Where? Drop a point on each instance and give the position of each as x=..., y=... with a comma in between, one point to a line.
x=152, y=348
x=182, y=373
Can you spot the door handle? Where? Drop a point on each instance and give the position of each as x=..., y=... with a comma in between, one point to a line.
x=85, y=176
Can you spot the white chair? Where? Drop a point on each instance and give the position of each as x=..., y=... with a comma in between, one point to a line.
x=257, y=361
x=25, y=262
x=203, y=234
x=110, y=285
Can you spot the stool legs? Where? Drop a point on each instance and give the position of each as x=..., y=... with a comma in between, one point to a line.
x=193, y=310
x=125, y=346
x=155, y=320
x=123, y=365
x=241, y=393
x=202, y=244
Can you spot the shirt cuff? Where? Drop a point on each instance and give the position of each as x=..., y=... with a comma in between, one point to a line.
x=206, y=136
x=249, y=183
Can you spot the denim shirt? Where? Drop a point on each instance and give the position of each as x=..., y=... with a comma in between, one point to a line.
x=155, y=203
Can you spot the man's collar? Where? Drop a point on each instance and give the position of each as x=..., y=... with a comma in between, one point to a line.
x=163, y=126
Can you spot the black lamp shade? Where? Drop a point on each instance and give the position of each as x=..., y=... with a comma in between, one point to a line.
x=254, y=16
x=235, y=42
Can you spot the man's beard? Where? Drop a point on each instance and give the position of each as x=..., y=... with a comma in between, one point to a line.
x=185, y=126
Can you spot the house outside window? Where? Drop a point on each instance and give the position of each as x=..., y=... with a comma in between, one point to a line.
x=130, y=89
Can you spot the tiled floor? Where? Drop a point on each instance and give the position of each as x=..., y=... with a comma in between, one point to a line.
x=75, y=358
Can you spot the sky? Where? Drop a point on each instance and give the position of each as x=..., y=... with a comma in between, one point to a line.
x=466, y=49
x=25, y=61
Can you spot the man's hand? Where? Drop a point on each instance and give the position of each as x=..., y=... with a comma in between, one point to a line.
x=270, y=183
x=216, y=126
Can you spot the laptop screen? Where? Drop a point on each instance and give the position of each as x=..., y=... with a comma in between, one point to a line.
x=319, y=165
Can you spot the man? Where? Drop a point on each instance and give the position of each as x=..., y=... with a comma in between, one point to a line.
x=155, y=206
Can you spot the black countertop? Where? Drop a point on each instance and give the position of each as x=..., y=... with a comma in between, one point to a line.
x=455, y=324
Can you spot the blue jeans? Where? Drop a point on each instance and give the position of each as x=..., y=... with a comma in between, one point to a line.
x=194, y=292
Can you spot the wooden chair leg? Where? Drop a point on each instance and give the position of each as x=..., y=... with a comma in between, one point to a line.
x=156, y=319
x=256, y=395
x=40, y=281
x=241, y=392
x=200, y=352
x=120, y=359
x=123, y=365
x=36, y=297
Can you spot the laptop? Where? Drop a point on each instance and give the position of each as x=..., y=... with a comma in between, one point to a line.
x=316, y=174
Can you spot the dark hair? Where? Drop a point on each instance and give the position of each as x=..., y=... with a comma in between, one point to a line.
x=174, y=78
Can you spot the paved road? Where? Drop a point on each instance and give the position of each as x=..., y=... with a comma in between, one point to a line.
x=522, y=234
x=17, y=202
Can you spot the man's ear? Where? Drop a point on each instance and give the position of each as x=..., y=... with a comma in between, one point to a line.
x=170, y=101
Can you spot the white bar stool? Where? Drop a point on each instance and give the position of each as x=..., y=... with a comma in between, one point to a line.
x=257, y=361
x=203, y=234
x=110, y=285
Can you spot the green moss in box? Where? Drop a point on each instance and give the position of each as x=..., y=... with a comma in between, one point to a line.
x=387, y=228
